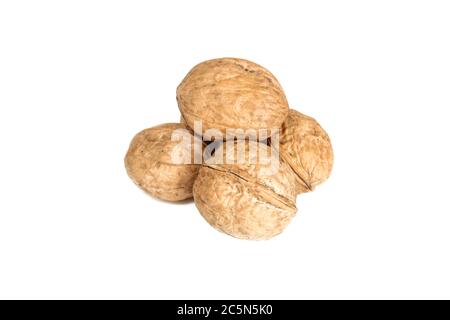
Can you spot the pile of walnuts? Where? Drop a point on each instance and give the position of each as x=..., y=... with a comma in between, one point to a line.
x=243, y=197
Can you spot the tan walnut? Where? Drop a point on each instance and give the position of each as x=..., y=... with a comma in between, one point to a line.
x=231, y=93
x=253, y=199
x=306, y=147
x=155, y=162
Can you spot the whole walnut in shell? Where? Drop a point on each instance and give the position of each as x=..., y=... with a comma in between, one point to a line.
x=232, y=93
x=155, y=162
x=252, y=199
x=306, y=147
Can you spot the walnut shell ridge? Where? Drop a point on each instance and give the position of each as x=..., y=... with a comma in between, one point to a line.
x=306, y=147
x=149, y=163
x=231, y=93
x=246, y=200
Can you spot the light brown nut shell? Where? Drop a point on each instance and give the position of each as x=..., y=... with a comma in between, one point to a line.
x=150, y=165
x=246, y=201
x=232, y=93
x=306, y=147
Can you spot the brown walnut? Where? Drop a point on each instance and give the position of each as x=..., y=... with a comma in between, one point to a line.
x=150, y=163
x=230, y=93
x=306, y=147
x=248, y=200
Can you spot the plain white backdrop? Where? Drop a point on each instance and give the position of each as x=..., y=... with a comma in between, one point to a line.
x=79, y=78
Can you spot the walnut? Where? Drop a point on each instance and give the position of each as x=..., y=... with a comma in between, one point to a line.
x=232, y=93
x=252, y=199
x=155, y=163
x=306, y=147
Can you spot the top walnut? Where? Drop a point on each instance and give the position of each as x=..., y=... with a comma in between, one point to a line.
x=232, y=93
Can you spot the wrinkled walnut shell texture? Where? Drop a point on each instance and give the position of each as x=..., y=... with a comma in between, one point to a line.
x=306, y=147
x=149, y=164
x=232, y=93
x=246, y=201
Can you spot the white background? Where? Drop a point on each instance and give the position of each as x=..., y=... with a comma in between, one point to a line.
x=79, y=78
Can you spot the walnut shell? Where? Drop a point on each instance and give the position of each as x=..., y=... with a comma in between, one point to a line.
x=306, y=147
x=247, y=200
x=232, y=93
x=150, y=163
